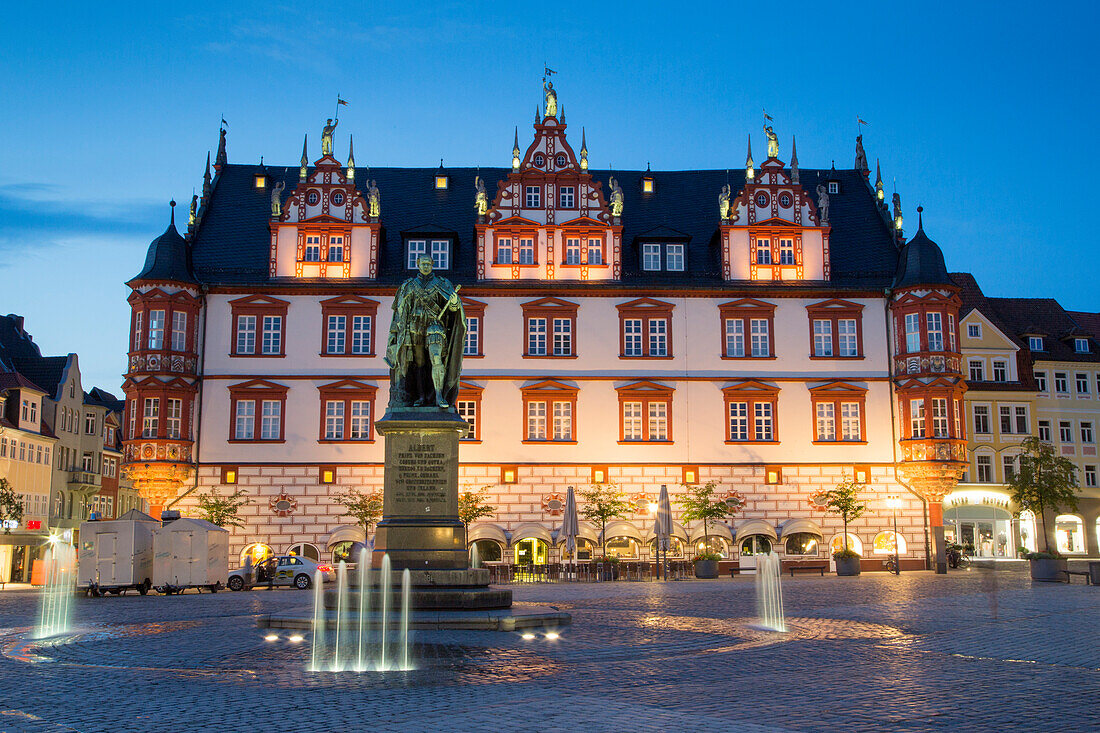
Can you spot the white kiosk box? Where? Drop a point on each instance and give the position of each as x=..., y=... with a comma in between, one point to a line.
x=116, y=554
x=190, y=553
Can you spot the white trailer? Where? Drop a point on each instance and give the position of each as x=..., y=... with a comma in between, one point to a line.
x=116, y=554
x=190, y=553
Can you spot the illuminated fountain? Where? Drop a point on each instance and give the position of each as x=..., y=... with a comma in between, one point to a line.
x=769, y=593
x=54, y=615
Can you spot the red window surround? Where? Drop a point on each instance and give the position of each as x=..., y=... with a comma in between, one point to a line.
x=938, y=389
x=325, y=231
x=346, y=391
x=550, y=391
x=470, y=392
x=645, y=310
x=835, y=311
x=753, y=393
x=646, y=393
x=258, y=306
x=838, y=393
x=745, y=310
x=588, y=236
x=157, y=299
x=475, y=309
x=348, y=306
x=258, y=390
x=522, y=229
x=152, y=388
x=550, y=308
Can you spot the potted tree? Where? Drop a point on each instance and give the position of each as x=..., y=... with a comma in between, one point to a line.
x=843, y=500
x=472, y=506
x=699, y=502
x=602, y=503
x=1044, y=480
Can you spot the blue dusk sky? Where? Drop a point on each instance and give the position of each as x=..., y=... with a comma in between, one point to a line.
x=983, y=113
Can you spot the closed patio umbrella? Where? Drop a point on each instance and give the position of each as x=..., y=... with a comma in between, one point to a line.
x=569, y=525
x=662, y=527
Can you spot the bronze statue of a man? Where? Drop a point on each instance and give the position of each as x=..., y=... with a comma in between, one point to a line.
x=427, y=338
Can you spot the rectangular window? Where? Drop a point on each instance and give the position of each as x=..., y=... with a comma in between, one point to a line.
x=977, y=371
x=246, y=334
x=735, y=337
x=939, y=417
x=417, y=247
x=563, y=421
x=974, y=330
x=536, y=421
x=1000, y=371
x=826, y=421
x=533, y=197
x=137, y=331
x=1041, y=381
x=179, y=331
x=1008, y=465
x=651, y=257
x=1061, y=383
x=658, y=421
x=1006, y=420
x=763, y=252
x=1035, y=343
x=245, y=420
x=1082, y=383
x=473, y=336
x=674, y=257
x=1086, y=432
x=467, y=410
x=823, y=338
x=133, y=419
x=632, y=421
x=761, y=344
x=1081, y=346
x=89, y=423
x=34, y=412
x=786, y=251
x=360, y=334
x=566, y=197
x=985, y=469
x=763, y=422
x=572, y=251
x=739, y=421
x=658, y=337
x=951, y=333
x=156, y=329
x=850, y=423
x=313, y=248
x=912, y=332
x=273, y=335
x=595, y=251
x=916, y=418
x=563, y=337
x=334, y=420
x=1090, y=476
x=834, y=187
x=336, y=249
x=1022, y=426
x=441, y=254
x=175, y=418
x=526, y=251
x=536, y=336
x=849, y=343
x=632, y=337
x=337, y=330
x=360, y=420
x=935, y=332
x=271, y=419
x=1044, y=431
x=981, y=419
x=149, y=424
x=504, y=251
x=1065, y=431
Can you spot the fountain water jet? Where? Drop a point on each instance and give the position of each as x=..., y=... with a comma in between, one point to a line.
x=318, y=641
x=384, y=589
x=769, y=592
x=364, y=606
x=475, y=556
x=406, y=583
x=54, y=616
x=341, y=604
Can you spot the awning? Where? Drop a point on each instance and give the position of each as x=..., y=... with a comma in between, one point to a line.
x=622, y=528
x=716, y=529
x=345, y=533
x=531, y=530
x=488, y=532
x=678, y=532
x=755, y=526
x=793, y=526
x=585, y=531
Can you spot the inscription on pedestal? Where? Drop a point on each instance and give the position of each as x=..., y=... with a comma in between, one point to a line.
x=421, y=479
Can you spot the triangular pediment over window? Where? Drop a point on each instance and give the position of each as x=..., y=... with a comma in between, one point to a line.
x=749, y=387
x=838, y=389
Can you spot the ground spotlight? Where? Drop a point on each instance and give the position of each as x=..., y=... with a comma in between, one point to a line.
x=551, y=635
x=271, y=637
x=528, y=636
x=296, y=638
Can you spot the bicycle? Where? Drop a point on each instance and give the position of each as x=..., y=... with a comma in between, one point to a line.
x=958, y=557
x=892, y=566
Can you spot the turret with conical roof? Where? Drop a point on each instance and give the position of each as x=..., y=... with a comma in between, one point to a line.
x=168, y=258
x=921, y=261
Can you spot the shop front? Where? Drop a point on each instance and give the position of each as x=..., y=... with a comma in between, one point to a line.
x=18, y=551
x=982, y=521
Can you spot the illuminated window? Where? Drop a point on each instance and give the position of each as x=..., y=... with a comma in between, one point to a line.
x=763, y=252
x=647, y=185
x=326, y=475
x=916, y=418
x=786, y=252
x=261, y=181
x=884, y=543
x=566, y=196
x=229, y=474
x=156, y=329
x=504, y=251
x=508, y=474
x=313, y=248
x=336, y=249
x=441, y=182
x=414, y=248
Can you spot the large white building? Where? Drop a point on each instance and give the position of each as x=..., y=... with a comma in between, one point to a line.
x=765, y=328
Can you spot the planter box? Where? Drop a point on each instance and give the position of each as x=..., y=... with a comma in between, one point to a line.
x=1048, y=569
x=706, y=569
x=847, y=566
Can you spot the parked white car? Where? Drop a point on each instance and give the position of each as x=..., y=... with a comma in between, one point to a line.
x=292, y=570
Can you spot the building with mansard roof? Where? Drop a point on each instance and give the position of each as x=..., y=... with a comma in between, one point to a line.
x=767, y=328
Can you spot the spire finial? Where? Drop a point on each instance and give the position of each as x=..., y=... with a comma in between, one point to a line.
x=220, y=160
x=920, y=218
x=880, y=191
x=562, y=114
x=172, y=203
x=537, y=120
x=794, y=160
x=515, y=152
x=305, y=157
x=750, y=167
x=584, y=151
x=351, y=157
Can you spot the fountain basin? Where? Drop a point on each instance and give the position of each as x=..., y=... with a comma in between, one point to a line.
x=517, y=617
x=426, y=598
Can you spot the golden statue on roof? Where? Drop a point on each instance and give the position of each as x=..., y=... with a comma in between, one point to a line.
x=326, y=136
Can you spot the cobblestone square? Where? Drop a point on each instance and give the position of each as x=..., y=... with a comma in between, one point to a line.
x=976, y=650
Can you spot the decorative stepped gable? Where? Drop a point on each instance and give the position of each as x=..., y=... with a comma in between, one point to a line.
x=772, y=230
x=325, y=228
x=549, y=219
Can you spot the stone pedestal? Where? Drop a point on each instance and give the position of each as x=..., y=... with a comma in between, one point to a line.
x=420, y=529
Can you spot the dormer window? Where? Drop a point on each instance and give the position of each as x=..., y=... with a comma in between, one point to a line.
x=336, y=249
x=313, y=248
x=438, y=249
x=534, y=196
x=648, y=184
x=260, y=181
x=673, y=257
x=1035, y=343
x=1081, y=346
x=834, y=187
x=651, y=257
x=442, y=181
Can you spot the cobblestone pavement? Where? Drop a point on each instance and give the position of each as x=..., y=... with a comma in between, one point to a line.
x=976, y=650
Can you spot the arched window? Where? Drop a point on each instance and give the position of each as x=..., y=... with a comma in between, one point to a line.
x=531, y=551
x=675, y=547
x=854, y=543
x=802, y=543
x=884, y=543
x=1069, y=534
x=756, y=544
x=717, y=545
x=488, y=550
x=625, y=547
x=306, y=550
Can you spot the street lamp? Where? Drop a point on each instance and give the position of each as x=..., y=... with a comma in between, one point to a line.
x=895, y=503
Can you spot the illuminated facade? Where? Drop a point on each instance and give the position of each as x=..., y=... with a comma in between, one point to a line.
x=638, y=327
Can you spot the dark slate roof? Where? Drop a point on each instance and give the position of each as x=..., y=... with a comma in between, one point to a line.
x=19, y=353
x=1090, y=322
x=46, y=371
x=102, y=398
x=168, y=258
x=973, y=298
x=1045, y=317
x=15, y=380
x=232, y=242
x=921, y=263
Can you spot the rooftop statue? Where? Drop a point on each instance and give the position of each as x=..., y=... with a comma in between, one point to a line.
x=861, y=156
x=551, y=100
x=773, y=142
x=897, y=207
x=427, y=337
x=822, y=204
x=724, y=202
x=276, y=201
x=374, y=199
x=326, y=136
x=616, y=197
x=481, y=198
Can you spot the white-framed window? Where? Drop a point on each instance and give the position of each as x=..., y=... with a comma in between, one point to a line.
x=846, y=334
x=246, y=334
x=850, y=421
x=674, y=257
x=414, y=248
x=504, y=251
x=563, y=421
x=244, y=420
x=1090, y=476
x=151, y=417
x=441, y=254
x=985, y=469
x=133, y=419
x=912, y=332
x=939, y=417
x=974, y=330
x=658, y=421
x=651, y=257
x=916, y=418
x=1082, y=383
x=473, y=336
x=1086, y=432
x=573, y=251
x=977, y=370
x=1081, y=346
x=658, y=337
x=632, y=421
x=1008, y=467
x=1000, y=371
x=526, y=251
x=360, y=420
x=174, y=423
x=1035, y=343
x=334, y=420
x=981, y=419
x=735, y=337
x=536, y=420
x=1044, y=431
x=533, y=197
x=313, y=248
x=336, y=248
x=761, y=342
x=935, y=332
x=786, y=251
x=271, y=419
x=834, y=187
x=156, y=329
x=89, y=423
x=137, y=330
x=536, y=336
x=34, y=412
x=273, y=335
x=563, y=337
x=595, y=251
x=337, y=334
x=1041, y=381
x=763, y=251
x=1065, y=431
x=566, y=197
x=467, y=410
x=826, y=421
x=1061, y=383
x=763, y=423
x=361, y=334
x=823, y=338
x=632, y=341
x=179, y=331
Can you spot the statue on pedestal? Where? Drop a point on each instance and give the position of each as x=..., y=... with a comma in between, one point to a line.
x=276, y=201
x=551, y=100
x=616, y=198
x=822, y=204
x=773, y=142
x=326, y=136
x=427, y=338
x=861, y=156
x=724, y=202
x=374, y=199
x=481, y=198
